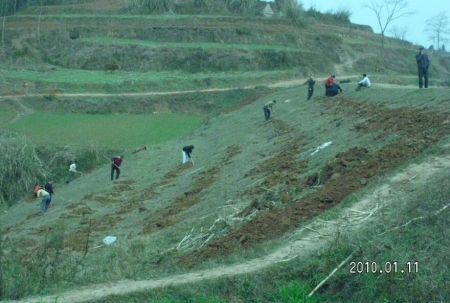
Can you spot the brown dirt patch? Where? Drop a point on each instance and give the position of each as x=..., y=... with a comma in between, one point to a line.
x=80, y=211
x=171, y=215
x=77, y=240
x=104, y=198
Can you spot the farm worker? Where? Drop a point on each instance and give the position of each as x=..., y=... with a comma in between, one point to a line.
x=187, y=150
x=72, y=171
x=115, y=166
x=49, y=188
x=328, y=82
x=310, y=83
x=333, y=90
x=268, y=107
x=422, y=64
x=365, y=82
x=45, y=198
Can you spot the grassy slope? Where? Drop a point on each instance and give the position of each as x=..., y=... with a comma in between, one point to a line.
x=143, y=186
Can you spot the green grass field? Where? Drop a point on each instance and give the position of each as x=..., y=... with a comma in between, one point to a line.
x=122, y=131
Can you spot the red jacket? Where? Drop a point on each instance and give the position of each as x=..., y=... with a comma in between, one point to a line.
x=329, y=81
x=116, y=161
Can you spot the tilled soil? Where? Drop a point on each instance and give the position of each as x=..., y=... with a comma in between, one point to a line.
x=349, y=171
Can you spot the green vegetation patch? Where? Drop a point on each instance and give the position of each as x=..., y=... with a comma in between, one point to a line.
x=98, y=81
x=187, y=45
x=119, y=131
x=6, y=115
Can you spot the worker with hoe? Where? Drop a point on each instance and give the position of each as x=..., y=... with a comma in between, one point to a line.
x=187, y=150
x=72, y=171
x=268, y=108
x=116, y=162
x=310, y=83
x=45, y=199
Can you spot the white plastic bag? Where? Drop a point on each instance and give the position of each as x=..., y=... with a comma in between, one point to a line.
x=109, y=240
x=321, y=147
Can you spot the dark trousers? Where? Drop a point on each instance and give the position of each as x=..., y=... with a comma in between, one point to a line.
x=266, y=113
x=332, y=93
x=310, y=93
x=117, y=169
x=423, y=73
x=70, y=177
x=49, y=201
x=358, y=88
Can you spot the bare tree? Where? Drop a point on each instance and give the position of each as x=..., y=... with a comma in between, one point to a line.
x=388, y=11
x=437, y=28
x=399, y=32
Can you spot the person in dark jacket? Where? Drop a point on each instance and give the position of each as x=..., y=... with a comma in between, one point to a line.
x=187, y=150
x=310, y=83
x=333, y=90
x=116, y=162
x=49, y=188
x=422, y=64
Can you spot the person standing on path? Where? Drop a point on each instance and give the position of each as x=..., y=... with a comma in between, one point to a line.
x=187, y=150
x=45, y=199
x=116, y=162
x=49, y=188
x=310, y=83
x=423, y=63
x=268, y=108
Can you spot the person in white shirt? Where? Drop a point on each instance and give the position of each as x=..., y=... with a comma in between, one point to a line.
x=45, y=198
x=365, y=82
x=72, y=171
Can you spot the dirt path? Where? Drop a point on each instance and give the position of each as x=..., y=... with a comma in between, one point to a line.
x=306, y=239
x=273, y=84
x=278, y=84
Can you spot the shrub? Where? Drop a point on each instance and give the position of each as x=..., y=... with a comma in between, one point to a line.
x=154, y=6
x=293, y=10
x=242, y=6
x=20, y=166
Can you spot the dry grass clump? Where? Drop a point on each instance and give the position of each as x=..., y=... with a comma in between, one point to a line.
x=20, y=166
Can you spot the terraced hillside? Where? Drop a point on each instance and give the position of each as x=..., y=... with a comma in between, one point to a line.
x=254, y=185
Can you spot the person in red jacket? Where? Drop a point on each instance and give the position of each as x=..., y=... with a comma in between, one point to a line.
x=330, y=80
x=328, y=83
x=116, y=162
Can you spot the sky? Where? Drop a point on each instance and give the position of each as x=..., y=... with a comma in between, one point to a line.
x=426, y=9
